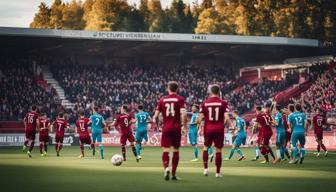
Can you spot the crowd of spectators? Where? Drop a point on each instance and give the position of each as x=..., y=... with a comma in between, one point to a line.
x=111, y=87
x=19, y=90
x=321, y=94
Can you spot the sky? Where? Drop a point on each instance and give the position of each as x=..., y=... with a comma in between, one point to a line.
x=19, y=13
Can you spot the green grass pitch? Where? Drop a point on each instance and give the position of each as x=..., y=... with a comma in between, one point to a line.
x=68, y=173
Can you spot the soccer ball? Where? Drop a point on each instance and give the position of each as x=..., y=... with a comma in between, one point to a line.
x=117, y=160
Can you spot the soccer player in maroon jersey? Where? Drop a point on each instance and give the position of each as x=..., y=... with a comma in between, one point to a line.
x=213, y=111
x=30, y=123
x=264, y=122
x=173, y=110
x=43, y=134
x=60, y=124
x=123, y=123
x=319, y=121
x=82, y=125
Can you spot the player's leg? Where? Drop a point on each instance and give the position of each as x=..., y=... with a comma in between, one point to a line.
x=176, y=143
x=138, y=139
x=93, y=144
x=123, y=140
x=207, y=145
x=101, y=147
x=323, y=146
x=219, y=143
x=32, y=142
x=193, y=142
x=81, y=146
x=278, y=146
x=232, y=150
x=294, y=141
x=318, y=148
x=41, y=148
x=131, y=139
x=242, y=142
x=211, y=153
x=25, y=144
x=60, y=147
x=302, y=140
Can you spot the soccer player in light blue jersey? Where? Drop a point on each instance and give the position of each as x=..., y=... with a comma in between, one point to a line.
x=240, y=127
x=142, y=120
x=193, y=131
x=280, y=135
x=97, y=125
x=298, y=124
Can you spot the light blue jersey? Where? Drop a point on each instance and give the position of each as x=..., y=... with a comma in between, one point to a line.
x=192, y=125
x=297, y=121
x=241, y=136
x=97, y=122
x=142, y=118
x=192, y=132
x=240, y=123
x=280, y=128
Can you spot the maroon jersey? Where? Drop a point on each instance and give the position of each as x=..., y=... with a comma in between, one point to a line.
x=170, y=106
x=60, y=125
x=123, y=122
x=31, y=120
x=318, y=122
x=214, y=109
x=264, y=121
x=44, y=124
x=82, y=125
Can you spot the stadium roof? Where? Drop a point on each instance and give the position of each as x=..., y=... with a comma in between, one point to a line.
x=136, y=44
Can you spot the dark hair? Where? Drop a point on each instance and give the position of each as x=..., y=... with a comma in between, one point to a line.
x=81, y=113
x=140, y=107
x=291, y=107
x=60, y=115
x=214, y=89
x=237, y=112
x=124, y=107
x=96, y=108
x=34, y=108
x=196, y=106
x=172, y=86
x=268, y=104
x=319, y=110
x=278, y=107
x=298, y=107
x=258, y=108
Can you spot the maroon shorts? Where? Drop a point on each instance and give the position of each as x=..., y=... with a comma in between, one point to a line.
x=125, y=137
x=44, y=137
x=59, y=138
x=85, y=139
x=214, y=137
x=288, y=136
x=266, y=137
x=319, y=135
x=30, y=133
x=171, y=139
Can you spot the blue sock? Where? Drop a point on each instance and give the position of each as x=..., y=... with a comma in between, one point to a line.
x=295, y=153
x=303, y=152
x=286, y=152
x=282, y=152
x=239, y=152
x=195, y=152
x=138, y=149
x=210, y=151
x=231, y=152
x=101, y=147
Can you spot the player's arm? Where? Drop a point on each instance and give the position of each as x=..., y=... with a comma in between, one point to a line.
x=254, y=127
x=156, y=115
x=226, y=119
x=184, y=118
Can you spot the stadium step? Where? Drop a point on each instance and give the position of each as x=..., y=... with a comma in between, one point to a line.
x=48, y=76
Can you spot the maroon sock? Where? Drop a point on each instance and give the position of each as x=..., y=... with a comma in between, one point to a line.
x=266, y=157
x=56, y=147
x=31, y=146
x=318, y=148
x=60, y=147
x=271, y=152
x=123, y=151
x=323, y=147
x=165, y=159
x=175, y=161
x=82, y=149
x=41, y=147
x=264, y=152
x=218, y=161
x=134, y=151
x=45, y=147
x=205, y=159
x=26, y=142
